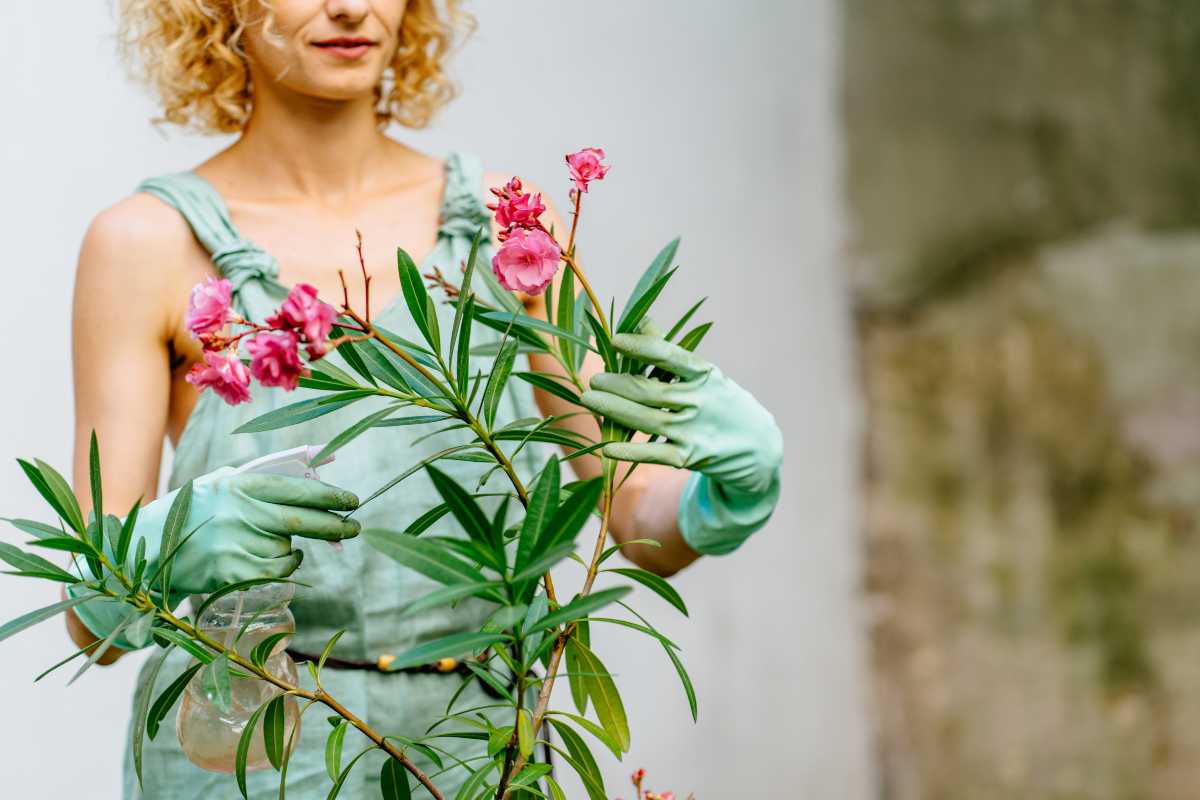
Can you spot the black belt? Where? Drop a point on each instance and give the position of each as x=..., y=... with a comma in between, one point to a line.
x=443, y=666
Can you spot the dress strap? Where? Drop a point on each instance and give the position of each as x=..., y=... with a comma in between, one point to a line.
x=463, y=209
x=235, y=257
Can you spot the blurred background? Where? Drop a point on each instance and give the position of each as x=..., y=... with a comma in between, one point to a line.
x=953, y=244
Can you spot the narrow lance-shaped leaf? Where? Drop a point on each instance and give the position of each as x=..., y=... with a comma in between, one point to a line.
x=455, y=645
x=603, y=693
x=654, y=583
x=333, y=750
x=142, y=707
x=158, y=711
x=566, y=314
x=126, y=537
x=634, y=315
x=496, y=381
x=273, y=725
x=468, y=513
x=462, y=362
x=172, y=529
x=30, y=563
x=94, y=477
x=660, y=264
x=424, y=557
x=42, y=614
x=465, y=291
x=243, y=748
x=302, y=411
x=353, y=432
x=393, y=781
x=581, y=607
x=580, y=758
x=63, y=504
x=420, y=304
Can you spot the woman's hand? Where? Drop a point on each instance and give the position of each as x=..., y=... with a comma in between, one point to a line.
x=709, y=425
x=241, y=527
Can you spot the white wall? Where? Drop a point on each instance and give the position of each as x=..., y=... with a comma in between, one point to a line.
x=720, y=119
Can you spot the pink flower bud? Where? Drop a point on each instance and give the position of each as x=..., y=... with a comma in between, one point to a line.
x=308, y=317
x=225, y=375
x=209, y=307
x=586, y=166
x=526, y=261
x=520, y=210
x=275, y=359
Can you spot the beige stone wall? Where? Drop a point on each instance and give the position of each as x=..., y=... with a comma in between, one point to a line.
x=1024, y=183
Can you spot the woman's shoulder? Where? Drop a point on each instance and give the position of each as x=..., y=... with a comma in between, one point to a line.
x=133, y=241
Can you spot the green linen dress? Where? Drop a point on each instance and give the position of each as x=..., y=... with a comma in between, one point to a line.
x=355, y=589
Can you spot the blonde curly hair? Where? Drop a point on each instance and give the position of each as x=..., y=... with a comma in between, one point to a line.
x=191, y=54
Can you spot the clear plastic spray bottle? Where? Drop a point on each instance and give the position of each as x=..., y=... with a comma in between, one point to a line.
x=208, y=729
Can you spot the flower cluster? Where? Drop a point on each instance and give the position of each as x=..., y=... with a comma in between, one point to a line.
x=274, y=348
x=637, y=778
x=528, y=256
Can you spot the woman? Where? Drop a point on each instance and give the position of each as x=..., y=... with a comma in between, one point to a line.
x=310, y=85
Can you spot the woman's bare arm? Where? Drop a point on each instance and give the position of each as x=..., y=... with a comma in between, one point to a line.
x=127, y=286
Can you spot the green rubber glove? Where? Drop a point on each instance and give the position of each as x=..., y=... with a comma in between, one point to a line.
x=249, y=521
x=710, y=425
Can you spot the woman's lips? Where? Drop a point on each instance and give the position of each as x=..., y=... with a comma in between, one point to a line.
x=347, y=48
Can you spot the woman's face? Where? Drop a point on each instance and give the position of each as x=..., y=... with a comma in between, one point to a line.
x=328, y=49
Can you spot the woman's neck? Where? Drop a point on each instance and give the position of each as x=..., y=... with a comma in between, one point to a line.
x=302, y=148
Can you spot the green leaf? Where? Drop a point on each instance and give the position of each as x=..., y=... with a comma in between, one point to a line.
x=302, y=411
x=383, y=367
x=414, y=469
x=678, y=326
x=548, y=384
x=38, y=530
x=216, y=682
x=654, y=272
x=426, y=520
x=556, y=792
x=94, y=477
x=603, y=693
x=580, y=607
x=172, y=636
x=603, y=343
x=543, y=502
x=341, y=781
x=141, y=708
x=67, y=544
x=691, y=340
x=654, y=583
x=530, y=774
x=349, y=352
x=465, y=292
x=420, y=304
x=333, y=750
x=273, y=725
x=462, y=362
x=543, y=563
x=468, y=513
x=333, y=640
x=484, y=674
x=451, y=594
x=453, y=646
x=594, y=729
x=688, y=688
x=424, y=557
x=529, y=337
x=158, y=711
x=42, y=614
x=566, y=313
x=418, y=352
x=138, y=632
x=352, y=433
x=575, y=669
x=524, y=733
x=571, y=515
x=393, y=780
x=172, y=529
x=580, y=758
x=105, y=645
x=126, y=537
x=262, y=650
x=243, y=748
x=524, y=321
x=29, y=562
x=497, y=380
x=632, y=316
x=54, y=490
x=470, y=789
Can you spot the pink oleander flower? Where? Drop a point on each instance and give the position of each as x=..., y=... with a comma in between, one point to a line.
x=275, y=359
x=311, y=318
x=518, y=210
x=526, y=261
x=209, y=307
x=586, y=166
x=225, y=375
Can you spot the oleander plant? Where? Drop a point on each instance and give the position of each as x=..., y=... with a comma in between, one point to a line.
x=540, y=630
